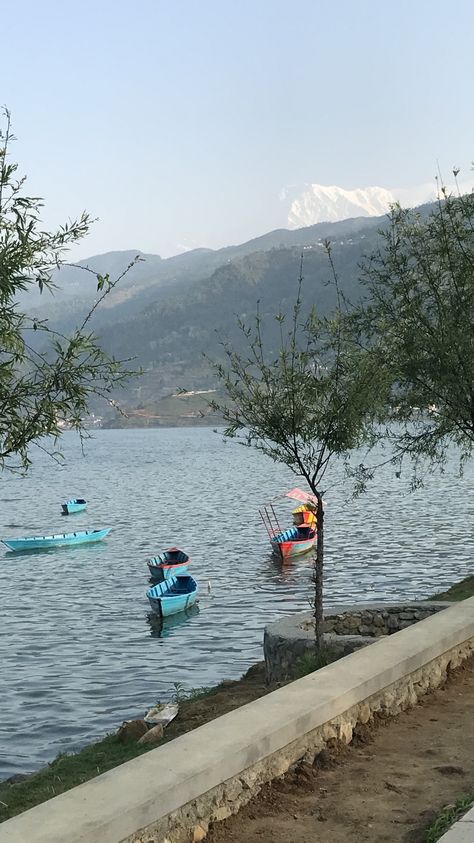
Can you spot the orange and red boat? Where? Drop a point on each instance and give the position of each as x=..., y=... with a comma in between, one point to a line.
x=301, y=537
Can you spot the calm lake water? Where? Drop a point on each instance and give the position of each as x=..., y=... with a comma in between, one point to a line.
x=77, y=652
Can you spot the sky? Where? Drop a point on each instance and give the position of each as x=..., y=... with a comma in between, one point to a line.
x=179, y=123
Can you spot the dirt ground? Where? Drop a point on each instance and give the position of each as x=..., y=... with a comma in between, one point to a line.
x=389, y=785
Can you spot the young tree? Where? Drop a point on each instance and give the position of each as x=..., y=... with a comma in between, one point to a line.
x=306, y=403
x=38, y=388
x=419, y=316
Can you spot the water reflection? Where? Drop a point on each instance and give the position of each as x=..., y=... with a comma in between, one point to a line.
x=164, y=627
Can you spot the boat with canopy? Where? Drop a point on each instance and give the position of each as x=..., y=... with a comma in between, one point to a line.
x=301, y=537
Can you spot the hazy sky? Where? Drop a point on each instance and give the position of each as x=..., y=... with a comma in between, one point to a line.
x=178, y=123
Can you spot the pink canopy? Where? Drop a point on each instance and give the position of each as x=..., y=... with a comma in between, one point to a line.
x=299, y=495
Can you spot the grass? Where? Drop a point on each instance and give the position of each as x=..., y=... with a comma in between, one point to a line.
x=448, y=816
x=67, y=771
x=459, y=591
x=315, y=659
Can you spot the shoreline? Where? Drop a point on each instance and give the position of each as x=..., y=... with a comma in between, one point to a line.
x=20, y=792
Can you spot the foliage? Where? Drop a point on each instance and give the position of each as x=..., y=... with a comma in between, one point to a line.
x=459, y=591
x=313, y=399
x=448, y=816
x=69, y=770
x=181, y=695
x=314, y=660
x=46, y=380
x=418, y=316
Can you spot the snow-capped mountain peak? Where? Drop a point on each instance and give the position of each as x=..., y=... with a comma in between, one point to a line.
x=320, y=203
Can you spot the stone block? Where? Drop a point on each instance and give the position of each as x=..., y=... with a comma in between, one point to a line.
x=152, y=736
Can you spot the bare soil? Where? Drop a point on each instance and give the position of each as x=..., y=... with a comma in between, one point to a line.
x=386, y=787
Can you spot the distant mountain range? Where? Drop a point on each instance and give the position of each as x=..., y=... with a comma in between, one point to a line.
x=310, y=204
x=317, y=204
x=168, y=313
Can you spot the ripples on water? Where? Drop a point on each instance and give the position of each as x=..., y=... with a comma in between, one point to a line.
x=77, y=652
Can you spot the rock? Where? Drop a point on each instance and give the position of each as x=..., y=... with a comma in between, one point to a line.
x=345, y=733
x=378, y=620
x=393, y=623
x=162, y=714
x=364, y=713
x=152, y=735
x=364, y=630
x=220, y=814
x=200, y=833
x=407, y=616
x=131, y=730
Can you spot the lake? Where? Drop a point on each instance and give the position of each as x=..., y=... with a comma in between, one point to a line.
x=77, y=651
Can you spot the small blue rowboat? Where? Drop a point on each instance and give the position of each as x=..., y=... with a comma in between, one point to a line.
x=44, y=542
x=74, y=505
x=172, y=562
x=173, y=595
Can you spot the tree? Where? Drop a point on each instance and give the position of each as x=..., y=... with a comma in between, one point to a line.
x=41, y=382
x=418, y=317
x=310, y=400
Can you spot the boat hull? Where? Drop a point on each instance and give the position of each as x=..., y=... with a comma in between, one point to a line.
x=173, y=605
x=293, y=548
x=65, y=539
x=72, y=506
x=171, y=563
x=174, y=595
x=292, y=543
x=162, y=572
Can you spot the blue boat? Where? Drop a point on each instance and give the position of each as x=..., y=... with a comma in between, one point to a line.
x=172, y=562
x=173, y=595
x=44, y=542
x=74, y=505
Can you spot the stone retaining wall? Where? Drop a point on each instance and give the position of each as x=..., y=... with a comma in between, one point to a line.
x=172, y=793
x=348, y=629
x=383, y=620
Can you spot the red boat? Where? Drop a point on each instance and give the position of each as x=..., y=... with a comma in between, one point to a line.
x=299, y=538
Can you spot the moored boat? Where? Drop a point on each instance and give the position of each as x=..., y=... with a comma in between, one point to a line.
x=294, y=541
x=303, y=535
x=173, y=595
x=170, y=563
x=74, y=505
x=59, y=540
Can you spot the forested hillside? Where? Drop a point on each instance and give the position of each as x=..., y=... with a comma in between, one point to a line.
x=168, y=314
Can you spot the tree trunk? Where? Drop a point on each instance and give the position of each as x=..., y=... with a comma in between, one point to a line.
x=318, y=576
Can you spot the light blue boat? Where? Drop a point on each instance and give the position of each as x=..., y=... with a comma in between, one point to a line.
x=172, y=562
x=44, y=542
x=74, y=505
x=173, y=595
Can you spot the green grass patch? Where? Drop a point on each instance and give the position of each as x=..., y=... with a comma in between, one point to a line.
x=64, y=772
x=459, y=591
x=448, y=816
x=67, y=771
x=313, y=660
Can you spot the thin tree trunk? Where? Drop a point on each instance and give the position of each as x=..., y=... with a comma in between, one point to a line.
x=318, y=576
